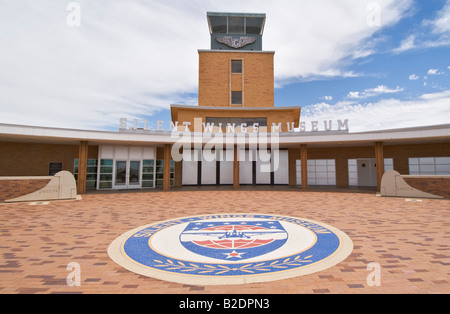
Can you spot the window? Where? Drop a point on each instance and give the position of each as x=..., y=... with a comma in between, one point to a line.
x=160, y=172
x=236, y=66
x=429, y=166
x=106, y=174
x=236, y=25
x=148, y=178
x=320, y=172
x=236, y=98
x=254, y=25
x=91, y=175
x=218, y=24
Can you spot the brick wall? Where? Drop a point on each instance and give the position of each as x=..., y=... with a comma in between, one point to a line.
x=399, y=153
x=433, y=185
x=32, y=159
x=216, y=81
x=10, y=189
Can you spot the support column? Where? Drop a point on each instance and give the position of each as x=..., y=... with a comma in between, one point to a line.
x=235, y=169
x=166, y=169
x=292, y=167
x=178, y=180
x=379, y=157
x=304, y=163
x=82, y=167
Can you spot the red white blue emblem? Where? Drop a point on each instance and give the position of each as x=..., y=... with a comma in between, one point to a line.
x=233, y=240
x=230, y=248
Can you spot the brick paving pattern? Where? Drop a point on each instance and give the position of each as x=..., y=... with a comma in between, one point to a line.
x=409, y=239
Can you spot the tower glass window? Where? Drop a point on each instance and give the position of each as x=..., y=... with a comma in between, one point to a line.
x=218, y=24
x=254, y=25
x=236, y=25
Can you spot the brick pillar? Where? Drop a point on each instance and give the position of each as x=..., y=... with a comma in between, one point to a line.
x=379, y=156
x=178, y=180
x=82, y=167
x=304, y=162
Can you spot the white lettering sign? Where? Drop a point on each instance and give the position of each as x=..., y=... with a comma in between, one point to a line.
x=312, y=126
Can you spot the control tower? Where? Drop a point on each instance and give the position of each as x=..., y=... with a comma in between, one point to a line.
x=236, y=72
x=236, y=79
x=236, y=31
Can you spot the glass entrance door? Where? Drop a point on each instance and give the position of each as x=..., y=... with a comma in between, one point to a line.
x=121, y=173
x=128, y=174
x=134, y=178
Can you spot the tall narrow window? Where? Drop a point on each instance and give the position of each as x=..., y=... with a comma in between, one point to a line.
x=236, y=66
x=148, y=178
x=106, y=174
x=160, y=172
x=236, y=98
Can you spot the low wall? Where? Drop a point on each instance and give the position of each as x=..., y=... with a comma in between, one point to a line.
x=394, y=184
x=23, y=189
x=12, y=187
x=436, y=185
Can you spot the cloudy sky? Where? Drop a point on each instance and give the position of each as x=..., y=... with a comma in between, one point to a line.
x=85, y=64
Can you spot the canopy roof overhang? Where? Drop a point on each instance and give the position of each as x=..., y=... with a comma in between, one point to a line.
x=38, y=134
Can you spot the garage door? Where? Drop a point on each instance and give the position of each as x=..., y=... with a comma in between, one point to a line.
x=190, y=168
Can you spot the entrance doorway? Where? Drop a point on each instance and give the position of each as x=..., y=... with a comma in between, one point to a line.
x=253, y=170
x=363, y=171
x=367, y=172
x=126, y=167
x=127, y=174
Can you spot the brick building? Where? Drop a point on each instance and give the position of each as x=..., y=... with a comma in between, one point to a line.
x=235, y=136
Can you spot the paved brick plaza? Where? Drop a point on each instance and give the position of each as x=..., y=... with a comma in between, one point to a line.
x=409, y=239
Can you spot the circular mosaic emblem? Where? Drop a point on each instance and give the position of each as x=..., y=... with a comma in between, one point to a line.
x=230, y=248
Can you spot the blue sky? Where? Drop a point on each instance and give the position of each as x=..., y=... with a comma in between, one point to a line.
x=381, y=64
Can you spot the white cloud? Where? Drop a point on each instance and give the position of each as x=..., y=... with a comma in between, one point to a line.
x=441, y=24
x=370, y=92
x=321, y=36
x=431, y=33
x=428, y=109
x=435, y=72
x=123, y=61
x=327, y=98
x=406, y=44
x=354, y=95
x=381, y=89
x=413, y=77
x=130, y=58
